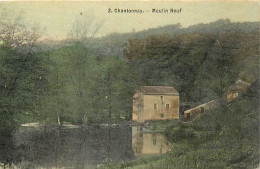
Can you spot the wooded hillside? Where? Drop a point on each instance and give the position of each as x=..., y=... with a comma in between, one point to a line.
x=94, y=80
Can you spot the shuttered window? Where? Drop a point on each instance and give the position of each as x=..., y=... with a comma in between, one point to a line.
x=155, y=106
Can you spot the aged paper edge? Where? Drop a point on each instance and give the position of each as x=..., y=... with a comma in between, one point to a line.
x=132, y=1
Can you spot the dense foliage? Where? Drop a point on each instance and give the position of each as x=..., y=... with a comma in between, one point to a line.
x=200, y=66
x=87, y=88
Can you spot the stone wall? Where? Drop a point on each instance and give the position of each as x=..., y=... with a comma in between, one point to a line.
x=167, y=107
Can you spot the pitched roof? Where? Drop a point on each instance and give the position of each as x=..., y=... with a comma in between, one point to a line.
x=159, y=90
x=239, y=86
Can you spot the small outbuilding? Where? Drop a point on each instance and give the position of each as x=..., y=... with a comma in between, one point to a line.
x=155, y=103
x=200, y=109
x=236, y=90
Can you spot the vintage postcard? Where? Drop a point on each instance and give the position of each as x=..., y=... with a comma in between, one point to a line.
x=136, y=85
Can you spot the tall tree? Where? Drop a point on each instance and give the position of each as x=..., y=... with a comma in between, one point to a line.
x=85, y=27
x=18, y=35
x=220, y=70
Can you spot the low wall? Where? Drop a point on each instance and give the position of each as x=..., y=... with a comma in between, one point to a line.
x=192, y=113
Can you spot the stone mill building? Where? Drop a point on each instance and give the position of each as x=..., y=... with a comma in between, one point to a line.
x=155, y=103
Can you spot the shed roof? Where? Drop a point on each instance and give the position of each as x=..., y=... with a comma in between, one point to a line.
x=239, y=86
x=159, y=90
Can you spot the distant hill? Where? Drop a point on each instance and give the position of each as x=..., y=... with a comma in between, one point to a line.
x=113, y=44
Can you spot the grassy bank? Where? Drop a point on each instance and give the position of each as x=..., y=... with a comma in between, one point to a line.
x=160, y=126
x=227, y=137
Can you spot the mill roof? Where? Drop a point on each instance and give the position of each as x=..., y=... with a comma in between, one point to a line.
x=159, y=90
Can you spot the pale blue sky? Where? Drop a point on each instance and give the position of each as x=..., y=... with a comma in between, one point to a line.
x=58, y=17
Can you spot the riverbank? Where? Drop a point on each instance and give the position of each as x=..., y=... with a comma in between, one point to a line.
x=156, y=125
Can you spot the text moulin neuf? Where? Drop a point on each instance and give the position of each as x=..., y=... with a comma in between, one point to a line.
x=164, y=10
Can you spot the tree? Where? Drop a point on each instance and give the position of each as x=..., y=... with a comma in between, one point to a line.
x=73, y=77
x=84, y=27
x=220, y=70
x=118, y=87
x=18, y=35
x=21, y=87
x=21, y=77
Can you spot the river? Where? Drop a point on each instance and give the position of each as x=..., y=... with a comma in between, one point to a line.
x=81, y=147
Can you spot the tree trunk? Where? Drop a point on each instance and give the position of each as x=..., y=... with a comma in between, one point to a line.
x=58, y=119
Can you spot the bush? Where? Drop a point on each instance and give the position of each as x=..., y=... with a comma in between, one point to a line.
x=181, y=133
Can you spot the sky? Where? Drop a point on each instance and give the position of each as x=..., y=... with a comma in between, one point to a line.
x=57, y=17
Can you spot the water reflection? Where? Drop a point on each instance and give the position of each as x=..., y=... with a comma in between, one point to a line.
x=145, y=142
x=84, y=147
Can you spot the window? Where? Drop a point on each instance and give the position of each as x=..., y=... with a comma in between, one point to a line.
x=167, y=106
x=202, y=110
x=162, y=115
x=155, y=106
x=154, y=141
x=162, y=99
x=188, y=116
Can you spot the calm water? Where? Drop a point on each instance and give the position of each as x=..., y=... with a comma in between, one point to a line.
x=84, y=147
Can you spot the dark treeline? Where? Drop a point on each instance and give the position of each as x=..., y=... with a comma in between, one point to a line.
x=200, y=66
x=114, y=43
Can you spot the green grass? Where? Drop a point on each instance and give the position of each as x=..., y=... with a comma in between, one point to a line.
x=161, y=125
